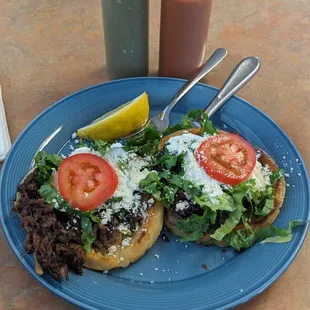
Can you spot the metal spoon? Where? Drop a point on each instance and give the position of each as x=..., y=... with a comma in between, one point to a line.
x=241, y=75
x=161, y=121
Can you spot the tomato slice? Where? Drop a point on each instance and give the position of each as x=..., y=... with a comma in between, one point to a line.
x=86, y=181
x=227, y=158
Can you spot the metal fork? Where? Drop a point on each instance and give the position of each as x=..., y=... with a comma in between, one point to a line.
x=161, y=121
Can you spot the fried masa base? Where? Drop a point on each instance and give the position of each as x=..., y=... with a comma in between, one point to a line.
x=142, y=240
x=171, y=218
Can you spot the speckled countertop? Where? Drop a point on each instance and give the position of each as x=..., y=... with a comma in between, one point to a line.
x=51, y=48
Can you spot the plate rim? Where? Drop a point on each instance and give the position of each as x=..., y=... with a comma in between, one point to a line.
x=56, y=291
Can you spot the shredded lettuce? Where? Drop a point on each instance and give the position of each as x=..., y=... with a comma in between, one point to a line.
x=275, y=176
x=151, y=185
x=163, y=186
x=224, y=202
x=101, y=146
x=242, y=239
x=122, y=164
x=53, y=197
x=168, y=161
x=83, y=143
x=87, y=233
x=46, y=163
x=238, y=193
x=268, y=205
x=144, y=144
x=196, y=226
x=238, y=203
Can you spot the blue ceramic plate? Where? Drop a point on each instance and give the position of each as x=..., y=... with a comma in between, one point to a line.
x=175, y=280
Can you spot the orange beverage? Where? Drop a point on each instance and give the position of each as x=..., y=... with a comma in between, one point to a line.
x=183, y=33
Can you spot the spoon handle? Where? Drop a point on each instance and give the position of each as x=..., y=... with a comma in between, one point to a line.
x=241, y=75
x=218, y=55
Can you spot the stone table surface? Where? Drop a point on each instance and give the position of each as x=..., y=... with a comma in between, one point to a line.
x=51, y=48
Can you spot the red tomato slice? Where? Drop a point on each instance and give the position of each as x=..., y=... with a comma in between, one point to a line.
x=86, y=181
x=227, y=158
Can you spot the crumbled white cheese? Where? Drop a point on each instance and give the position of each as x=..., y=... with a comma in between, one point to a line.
x=181, y=205
x=74, y=135
x=128, y=182
x=124, y=229
x=150, y=201
x=85, y=150
x=187, y=144
x=183, y=143
x=261, y=175
x=156, y=255
x=112, y=249
x=116, y=145
x=76, y=141
x=126, y=241
x=71, y=147
x=107, y=216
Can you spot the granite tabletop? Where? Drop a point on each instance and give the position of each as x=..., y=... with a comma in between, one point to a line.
x=51, y=48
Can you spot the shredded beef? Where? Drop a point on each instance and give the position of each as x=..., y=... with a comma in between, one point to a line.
x=105, y=237
x=55, y=246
